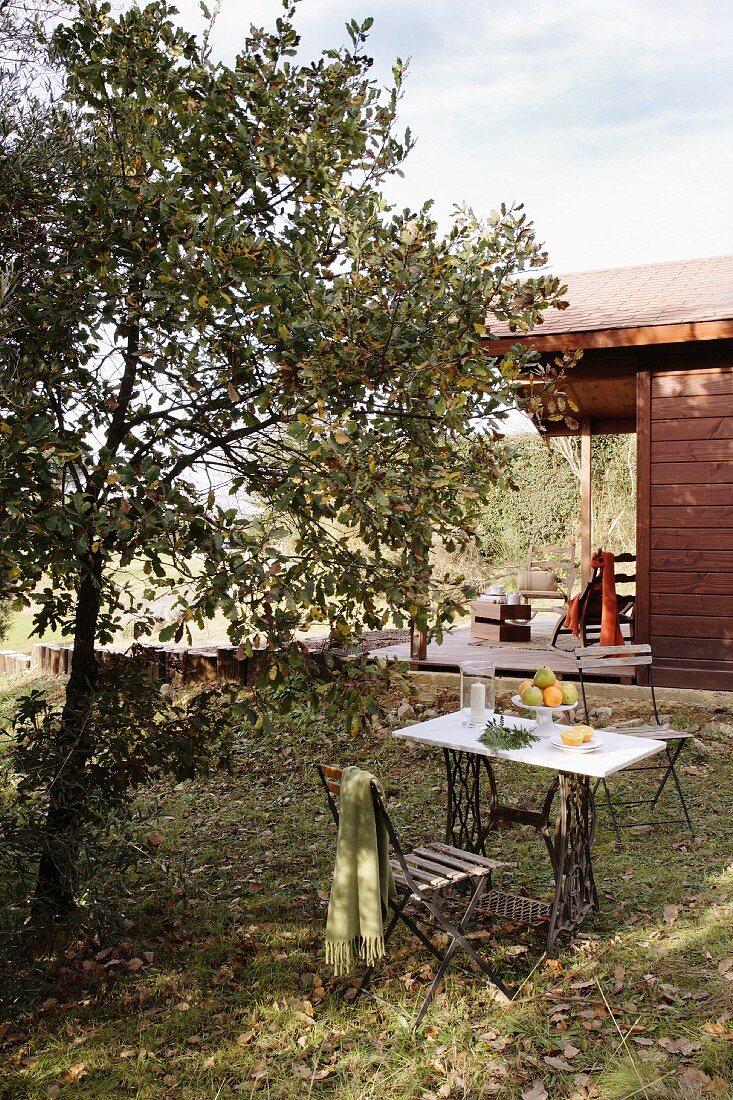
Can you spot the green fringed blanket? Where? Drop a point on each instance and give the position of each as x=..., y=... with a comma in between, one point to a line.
x=362, y=879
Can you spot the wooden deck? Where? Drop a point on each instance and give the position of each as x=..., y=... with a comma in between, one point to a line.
x=510, y=659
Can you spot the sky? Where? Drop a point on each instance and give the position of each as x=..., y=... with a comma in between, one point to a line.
x=611, y=121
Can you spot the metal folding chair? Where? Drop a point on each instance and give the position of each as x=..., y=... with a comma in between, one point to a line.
x=420, y=876
x=606, y=659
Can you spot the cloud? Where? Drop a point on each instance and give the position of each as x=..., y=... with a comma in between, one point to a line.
x=611, y=121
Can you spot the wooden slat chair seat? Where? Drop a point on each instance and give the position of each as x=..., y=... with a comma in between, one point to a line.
x=595, y=659
x=420, y=876
x=440, y=867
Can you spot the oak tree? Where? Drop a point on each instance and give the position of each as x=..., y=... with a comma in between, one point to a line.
x=208, y=301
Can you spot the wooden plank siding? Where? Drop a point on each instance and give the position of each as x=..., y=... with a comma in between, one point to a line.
x=703, y=473
x=690, y=514
x=706, y=427
x=686, y=538
x=677, y=489
x=692, y=603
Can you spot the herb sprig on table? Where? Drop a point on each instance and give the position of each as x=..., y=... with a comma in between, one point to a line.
x=497, y=735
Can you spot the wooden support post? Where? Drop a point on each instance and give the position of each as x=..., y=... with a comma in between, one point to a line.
x=54, y=660
x=254, y=665
x=241, y=665
x=161, y=664
x=643, y=503
x=155, y=660
x=418, y=644
x=586, y=513
x=225, y=662
x=202, y=665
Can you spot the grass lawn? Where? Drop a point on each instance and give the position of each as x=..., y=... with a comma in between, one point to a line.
x=201, y=974
x=19, y=640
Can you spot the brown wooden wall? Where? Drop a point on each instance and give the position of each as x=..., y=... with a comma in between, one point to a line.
x=686, y=444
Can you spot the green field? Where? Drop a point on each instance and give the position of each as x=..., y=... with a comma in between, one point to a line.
x=19, y=639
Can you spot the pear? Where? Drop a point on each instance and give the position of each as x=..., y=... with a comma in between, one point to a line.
x=569, y=693
x=531, y=697
x=544, y=677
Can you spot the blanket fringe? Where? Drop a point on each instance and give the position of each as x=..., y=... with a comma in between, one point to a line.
x=342, y=955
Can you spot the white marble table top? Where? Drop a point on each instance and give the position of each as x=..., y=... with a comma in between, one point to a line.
x=617, y=752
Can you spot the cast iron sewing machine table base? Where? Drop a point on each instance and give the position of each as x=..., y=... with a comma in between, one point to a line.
x=568, y=841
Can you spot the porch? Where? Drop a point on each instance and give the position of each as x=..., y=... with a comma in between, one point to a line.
x=510, y=658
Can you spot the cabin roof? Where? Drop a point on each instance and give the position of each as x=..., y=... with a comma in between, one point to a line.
x=679, y=292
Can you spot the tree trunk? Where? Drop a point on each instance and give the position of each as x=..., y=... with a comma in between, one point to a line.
x=57, y=872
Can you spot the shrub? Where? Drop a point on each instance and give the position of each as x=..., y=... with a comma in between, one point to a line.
x=141, y=732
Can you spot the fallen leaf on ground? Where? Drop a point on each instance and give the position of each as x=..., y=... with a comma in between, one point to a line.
x=693, y=1082
x=75, y=1072
x=557, y=1063
x=496, y=1042
x=679, y=1046
x=584, y=1089
x=725, y=967
x=719, y=1029
x=536, y=1092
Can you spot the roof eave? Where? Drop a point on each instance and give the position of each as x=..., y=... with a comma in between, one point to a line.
x=686, y=332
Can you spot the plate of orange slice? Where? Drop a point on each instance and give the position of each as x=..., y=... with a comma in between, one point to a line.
x=580, y=738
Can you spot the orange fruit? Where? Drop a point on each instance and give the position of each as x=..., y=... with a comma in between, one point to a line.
x=587, y=731
x=572, y=737
x=552, y=696
x=524, y=685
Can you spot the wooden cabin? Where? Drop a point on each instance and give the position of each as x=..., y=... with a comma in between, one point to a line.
x=657, y=360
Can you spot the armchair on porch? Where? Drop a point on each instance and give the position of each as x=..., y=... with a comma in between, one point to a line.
x=548, y=575
x=588, y=621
